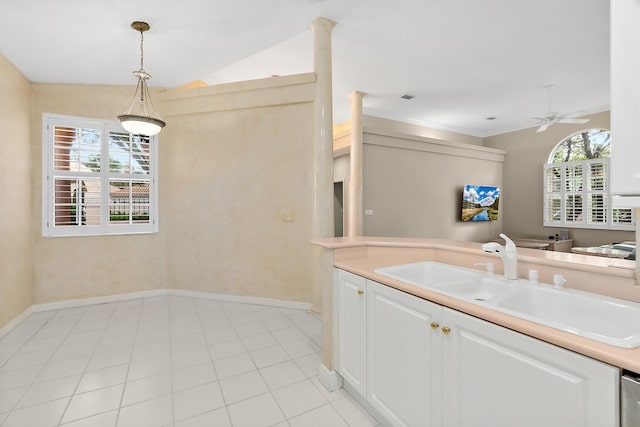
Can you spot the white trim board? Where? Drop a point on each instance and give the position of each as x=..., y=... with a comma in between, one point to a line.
x=331, y=380
x=294, y=305
x=60, y=305
x=15, y=322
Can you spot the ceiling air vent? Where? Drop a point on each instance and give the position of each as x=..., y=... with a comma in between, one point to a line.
x=407, y=96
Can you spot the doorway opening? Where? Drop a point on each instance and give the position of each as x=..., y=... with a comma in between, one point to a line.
x=338, y=208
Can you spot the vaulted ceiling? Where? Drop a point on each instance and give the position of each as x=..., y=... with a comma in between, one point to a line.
x=463, y=60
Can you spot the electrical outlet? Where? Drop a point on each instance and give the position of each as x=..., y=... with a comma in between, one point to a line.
x=289, y=216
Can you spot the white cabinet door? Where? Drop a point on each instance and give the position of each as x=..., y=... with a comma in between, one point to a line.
x=352, y=329
x=499, y=378
x=625, y=102
x=403, y=378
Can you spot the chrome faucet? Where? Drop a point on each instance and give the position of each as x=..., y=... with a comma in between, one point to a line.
x=507, y=253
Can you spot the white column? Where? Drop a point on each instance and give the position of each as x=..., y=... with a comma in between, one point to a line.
x=354, y=200
x=322, y=220
x=323, y=129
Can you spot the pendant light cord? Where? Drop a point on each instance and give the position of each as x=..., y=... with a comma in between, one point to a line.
x=141, y=50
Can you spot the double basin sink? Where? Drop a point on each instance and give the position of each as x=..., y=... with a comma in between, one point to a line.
x=609, y=320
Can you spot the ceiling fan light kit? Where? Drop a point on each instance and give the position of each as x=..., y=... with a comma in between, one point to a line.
x=141, y=118
x=553, y=117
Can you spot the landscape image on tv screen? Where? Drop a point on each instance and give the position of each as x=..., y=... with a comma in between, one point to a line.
x=480, y=203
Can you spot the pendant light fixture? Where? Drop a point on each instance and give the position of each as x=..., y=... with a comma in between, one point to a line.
x=141, y=118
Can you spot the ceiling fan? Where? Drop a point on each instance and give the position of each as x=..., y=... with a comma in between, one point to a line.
x=553, y=117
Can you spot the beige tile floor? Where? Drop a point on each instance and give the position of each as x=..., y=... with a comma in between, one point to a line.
x=169, y=361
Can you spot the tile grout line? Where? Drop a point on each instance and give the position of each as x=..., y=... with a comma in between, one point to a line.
x=173, y=403
x=44, y=365
x=213, y=365
x=279, y=344
x=124, y=385
x=66, y=408
x=292, y=359
x=27, y=340
x=28, y=387
x=84, y=371
x=263, y=379
x=293, y=320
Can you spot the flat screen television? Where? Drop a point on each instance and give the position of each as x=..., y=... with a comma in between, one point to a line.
x=480, y=203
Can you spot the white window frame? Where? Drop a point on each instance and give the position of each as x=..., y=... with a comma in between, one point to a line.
x=584, y=191
x=49, y=121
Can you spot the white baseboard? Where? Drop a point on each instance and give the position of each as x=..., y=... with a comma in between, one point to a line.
x=362, y=401
x=331, y=380
x=15, y=321
x=295, y=305
x=72, y=303
x=59, y=305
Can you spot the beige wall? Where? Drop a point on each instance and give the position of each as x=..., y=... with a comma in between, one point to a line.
x=236, y=193
x=68, y=268
x=16, y=292
x=235, y=196
x=414, y=186
x=522, y=202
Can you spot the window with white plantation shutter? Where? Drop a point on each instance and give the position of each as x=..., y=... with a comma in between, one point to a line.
x=576, y=193
x=97, y=178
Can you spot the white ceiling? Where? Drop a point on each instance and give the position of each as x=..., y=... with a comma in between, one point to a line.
x=463, y=60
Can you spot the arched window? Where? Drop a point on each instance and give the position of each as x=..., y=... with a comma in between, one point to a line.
x=576, y=192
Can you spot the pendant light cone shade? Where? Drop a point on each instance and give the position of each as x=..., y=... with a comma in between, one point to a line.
x=141, y=118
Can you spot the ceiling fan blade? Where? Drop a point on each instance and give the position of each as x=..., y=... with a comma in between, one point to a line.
x=553, y=117
x=575, y=121
x=544, y=127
